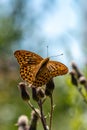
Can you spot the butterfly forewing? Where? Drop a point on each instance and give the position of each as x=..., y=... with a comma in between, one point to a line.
x=56, y=68
x=27, y=57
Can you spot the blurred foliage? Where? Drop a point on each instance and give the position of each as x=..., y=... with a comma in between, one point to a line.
x=8, y=33
x=70, y=111
x=10, y=28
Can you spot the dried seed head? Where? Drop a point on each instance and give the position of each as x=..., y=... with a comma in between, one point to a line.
x=40, y=93
x=34, y=114
x=24, y=93
x=34, y=119
x=82, y=80
x=73, y=78
x=34, y=94
x=75, y=67
x=23, y=123
x=49, y=88
x=73, y=72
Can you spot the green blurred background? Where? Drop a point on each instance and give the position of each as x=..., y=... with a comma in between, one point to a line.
x=34, y=25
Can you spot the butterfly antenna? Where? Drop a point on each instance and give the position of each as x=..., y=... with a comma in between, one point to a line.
x=57, y=55
x=47, y=50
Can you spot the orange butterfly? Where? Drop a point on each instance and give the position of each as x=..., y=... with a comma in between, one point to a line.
x=36, y=70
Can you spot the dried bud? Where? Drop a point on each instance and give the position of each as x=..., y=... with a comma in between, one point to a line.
x=75, y=67
x=34, y=115
x=22, y=123
x=82, y=80
x=34, y=119
x=73, y=72
x=34, y=94
x=24, y=93
x=73, y=78
x=49, y=88
x=40, y=93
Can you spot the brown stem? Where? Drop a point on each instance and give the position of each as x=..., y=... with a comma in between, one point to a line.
x=51, y=112
x=79, y=89
x=42, y=115
x=32, y=107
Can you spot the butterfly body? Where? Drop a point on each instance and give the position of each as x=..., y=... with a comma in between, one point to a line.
x=38, y=71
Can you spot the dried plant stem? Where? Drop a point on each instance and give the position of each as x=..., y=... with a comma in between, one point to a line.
x=32, y=107
x=80, y=91
x=51, y=112
x=77, y=78
x=42, y=115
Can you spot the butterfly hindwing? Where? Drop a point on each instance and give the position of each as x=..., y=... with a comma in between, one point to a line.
x=28, y=72
x=56, y=68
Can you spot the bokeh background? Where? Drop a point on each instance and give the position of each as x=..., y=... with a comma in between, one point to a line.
x=33, y=25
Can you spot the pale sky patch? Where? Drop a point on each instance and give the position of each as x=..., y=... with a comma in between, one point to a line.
x=58, y=21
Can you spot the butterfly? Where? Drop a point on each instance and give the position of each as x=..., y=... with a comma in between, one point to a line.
x=38, y=71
